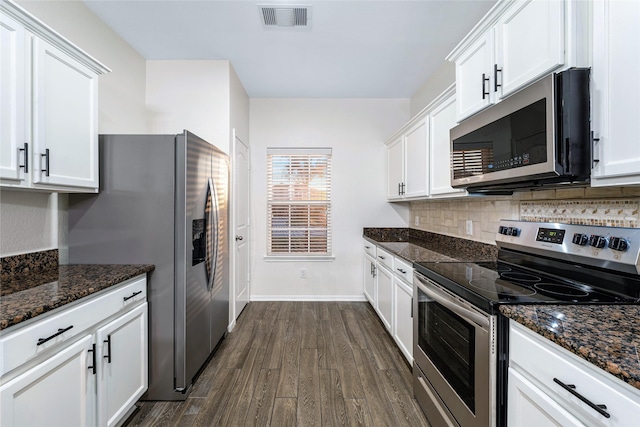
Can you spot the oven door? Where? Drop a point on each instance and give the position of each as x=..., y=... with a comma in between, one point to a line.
x=454, y=346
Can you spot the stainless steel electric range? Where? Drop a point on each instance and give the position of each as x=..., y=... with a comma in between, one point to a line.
x=460, y=341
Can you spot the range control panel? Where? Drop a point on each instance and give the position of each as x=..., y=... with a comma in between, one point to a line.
x=581, y=243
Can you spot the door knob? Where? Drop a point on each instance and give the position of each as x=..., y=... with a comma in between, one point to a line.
x=238, y=238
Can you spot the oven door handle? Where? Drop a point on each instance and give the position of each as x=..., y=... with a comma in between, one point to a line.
x=454, y=305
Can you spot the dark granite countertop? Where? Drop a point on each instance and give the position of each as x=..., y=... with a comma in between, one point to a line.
x=25, y=296
x=606, y=335
x=422, y=246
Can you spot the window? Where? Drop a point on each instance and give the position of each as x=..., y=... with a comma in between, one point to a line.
x=299, y=202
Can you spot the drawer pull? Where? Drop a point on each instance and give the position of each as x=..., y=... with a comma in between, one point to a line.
x=380, y=256
x=108, y=355
x=93, y=359
x=60, y=332
x=367, y=247
x=132, y=295
x=401, y=270
x=570, y=388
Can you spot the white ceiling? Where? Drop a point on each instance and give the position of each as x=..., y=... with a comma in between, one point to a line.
x=353, y=49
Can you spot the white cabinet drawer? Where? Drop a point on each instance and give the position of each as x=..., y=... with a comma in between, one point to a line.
x=541, y=361
x=369, y=248
x=403, y=269
x=29, y=342
x=385, y=258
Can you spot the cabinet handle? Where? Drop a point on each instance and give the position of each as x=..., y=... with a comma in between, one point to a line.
x=570, y=388
x=108, y=355
x=594, y=161
x=367, y=247
x=93, y=357
x=412, y=307
x=401, y=270
x=26, y=158
x=380, y=256
x=484, y=79
x=399, y=189
x=402, y=191
x=60, y=332
x=496, y=70
x=46, y=162
x=132, y=295
x=375, y=271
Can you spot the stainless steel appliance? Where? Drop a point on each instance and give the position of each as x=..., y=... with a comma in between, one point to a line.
x=163, y=200
x=460, y=340
x=538, y=136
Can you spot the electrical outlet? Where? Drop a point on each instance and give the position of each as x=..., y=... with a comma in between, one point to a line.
x=303, y=273
x=417, y=220
x=469, y=225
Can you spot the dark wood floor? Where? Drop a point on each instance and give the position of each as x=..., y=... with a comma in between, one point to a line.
x=298, y=364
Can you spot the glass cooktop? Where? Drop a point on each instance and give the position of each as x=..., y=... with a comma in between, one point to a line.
x=487, y=284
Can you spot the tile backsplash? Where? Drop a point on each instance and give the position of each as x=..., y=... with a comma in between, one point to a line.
x=616, y=206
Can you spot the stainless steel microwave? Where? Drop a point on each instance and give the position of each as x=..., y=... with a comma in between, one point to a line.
x=540, y=136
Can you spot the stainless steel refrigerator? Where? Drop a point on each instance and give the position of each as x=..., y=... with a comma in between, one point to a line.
x=163, y=200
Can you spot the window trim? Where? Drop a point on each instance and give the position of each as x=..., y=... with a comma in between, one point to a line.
x=293, y=256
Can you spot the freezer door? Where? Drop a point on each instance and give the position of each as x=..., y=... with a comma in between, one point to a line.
x=194, y=202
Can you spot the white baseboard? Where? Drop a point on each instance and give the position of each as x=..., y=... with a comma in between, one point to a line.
x=348, y=298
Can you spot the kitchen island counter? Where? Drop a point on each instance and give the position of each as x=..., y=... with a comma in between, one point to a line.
x=608, y=336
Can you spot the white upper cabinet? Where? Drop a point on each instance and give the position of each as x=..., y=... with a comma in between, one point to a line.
x=12, y=97
x=441, y=119
x=49, y=105
x=515, y=44
x=395, y=168
x=419, y=155
x=473, y=76
x=615, y=93
x=529, y=43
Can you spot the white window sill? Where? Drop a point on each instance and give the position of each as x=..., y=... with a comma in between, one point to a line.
x=289, y=258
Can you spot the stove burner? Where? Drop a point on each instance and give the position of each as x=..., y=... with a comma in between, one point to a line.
x=520, y=277
x=501, y=287
x=559, y=289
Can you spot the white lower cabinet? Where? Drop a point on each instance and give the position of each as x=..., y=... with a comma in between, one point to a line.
x=403, y=318
x=122, y=375
x=83, y=366
x=369, y=270
x=60, y=391
x=550, y=386
x=384, y=298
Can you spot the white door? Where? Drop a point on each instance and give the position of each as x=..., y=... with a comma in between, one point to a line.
x=122, y=372
x=369, y=271
x=395, y=169
x=241, y=275
x=58, y=392
x=384, y=299
x=473, y=77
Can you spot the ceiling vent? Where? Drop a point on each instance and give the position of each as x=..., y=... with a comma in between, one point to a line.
x=285, y=16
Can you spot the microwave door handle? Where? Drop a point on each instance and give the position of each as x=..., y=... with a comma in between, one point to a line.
x=468, y=315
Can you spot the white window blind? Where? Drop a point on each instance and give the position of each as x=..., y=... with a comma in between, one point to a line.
x=299, y=201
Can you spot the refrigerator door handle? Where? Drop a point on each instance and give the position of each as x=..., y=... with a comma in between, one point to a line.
x=212, y=230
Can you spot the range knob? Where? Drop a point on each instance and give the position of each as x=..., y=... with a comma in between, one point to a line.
x=514, y=231
x=618, y=244
x=502, y=230
x=580, y=239
x=598, y=241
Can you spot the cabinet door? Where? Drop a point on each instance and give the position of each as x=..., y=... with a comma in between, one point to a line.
x=403, y=318
x=384, y=295
x=12, y=100
x=65, y=101
x=122, y=376
x=369, y=271
x=473, y=77
x=442, y=119
x=58, y=392
x=528, y=406
x=616, y=92
x=395, y=169
x=417, y=160
x=529, y=43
